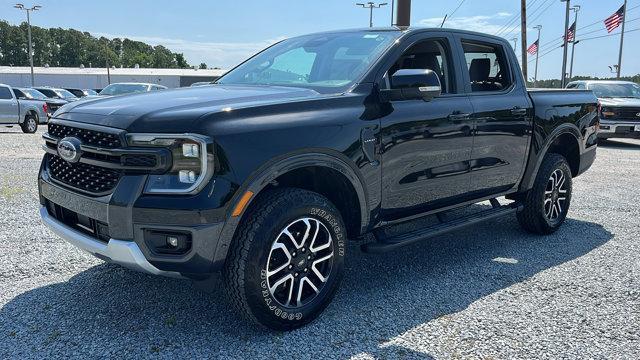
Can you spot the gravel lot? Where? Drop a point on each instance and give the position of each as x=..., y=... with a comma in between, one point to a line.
x=491, y=291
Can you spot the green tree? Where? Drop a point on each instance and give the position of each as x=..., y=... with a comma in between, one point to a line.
x=69, y=47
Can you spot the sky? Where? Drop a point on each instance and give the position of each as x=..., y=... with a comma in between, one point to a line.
x=223, y=33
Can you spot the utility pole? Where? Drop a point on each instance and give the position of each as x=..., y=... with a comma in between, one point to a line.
x=523, y=36
x=575, y=9
x=371, y=5
x=566, y=44
x=535, y=74
x=624, y=20
x=393, y=7
x=403, y=13
x=29, y=10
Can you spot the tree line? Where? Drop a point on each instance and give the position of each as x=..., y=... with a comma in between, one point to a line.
x=57, y=47
x=555, y=83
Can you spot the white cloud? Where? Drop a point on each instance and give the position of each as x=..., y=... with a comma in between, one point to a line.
x=489, y=24
x=221, y=54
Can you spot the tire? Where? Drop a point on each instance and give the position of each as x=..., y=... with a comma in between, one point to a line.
x=257, y=261
x=30, y=124
x=547, y=203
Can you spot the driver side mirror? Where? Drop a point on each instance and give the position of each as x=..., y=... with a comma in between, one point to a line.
x=413, y=84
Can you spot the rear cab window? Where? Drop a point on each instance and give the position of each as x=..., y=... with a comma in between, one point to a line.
x=5, y=93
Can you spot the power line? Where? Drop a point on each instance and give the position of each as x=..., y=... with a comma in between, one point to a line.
x=456, y=9
x=513, y=18
x=514, y=27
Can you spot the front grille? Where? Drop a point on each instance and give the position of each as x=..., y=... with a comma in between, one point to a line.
x=88, y=137
x=628, y=113
x=89, y=178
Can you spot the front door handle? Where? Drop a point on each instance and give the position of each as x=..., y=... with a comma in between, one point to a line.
x=518, y=111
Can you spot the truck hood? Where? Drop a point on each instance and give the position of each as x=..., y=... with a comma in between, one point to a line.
x=174, y=110
x=620, y=102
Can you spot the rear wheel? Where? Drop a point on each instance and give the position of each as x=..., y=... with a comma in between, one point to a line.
x=30, y=124
x=286, y=260
x=546, y=205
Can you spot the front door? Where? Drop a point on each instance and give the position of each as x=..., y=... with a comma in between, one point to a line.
x=426, y=146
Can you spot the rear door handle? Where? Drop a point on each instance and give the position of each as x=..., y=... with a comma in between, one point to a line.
x=459, y=117
x=518, y=111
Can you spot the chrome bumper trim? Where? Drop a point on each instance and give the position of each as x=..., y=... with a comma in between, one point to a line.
x=125, y=253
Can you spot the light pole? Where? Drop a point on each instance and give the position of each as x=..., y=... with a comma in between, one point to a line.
x=28, y=10
x=371, y=5
x=515, y=43
x=535, y=74
x=575, y=9
x=566, y=44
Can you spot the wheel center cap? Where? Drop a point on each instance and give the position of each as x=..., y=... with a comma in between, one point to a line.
x=301, y=263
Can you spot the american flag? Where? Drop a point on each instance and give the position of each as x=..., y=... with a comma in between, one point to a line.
x=613, y=21
x=533, y=48
x=571, y=33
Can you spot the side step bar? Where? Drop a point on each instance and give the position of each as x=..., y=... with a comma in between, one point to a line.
x=394, y=242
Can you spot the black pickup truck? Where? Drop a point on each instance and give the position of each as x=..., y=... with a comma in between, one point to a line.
x=265, y=175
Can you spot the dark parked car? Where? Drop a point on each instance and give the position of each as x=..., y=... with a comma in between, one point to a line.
x=315, y=141
x=57, y=93
x=620, y=102
x=80, y=93
x=52, y=104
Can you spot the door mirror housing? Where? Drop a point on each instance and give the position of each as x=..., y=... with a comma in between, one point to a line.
x=413, y=84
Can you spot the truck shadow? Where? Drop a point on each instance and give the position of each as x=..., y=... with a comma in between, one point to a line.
x=110, y=310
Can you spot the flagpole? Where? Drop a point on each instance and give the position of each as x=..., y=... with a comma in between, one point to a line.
x=624, y=20
x=576, y=9
x=535, y=75
x=566, y=44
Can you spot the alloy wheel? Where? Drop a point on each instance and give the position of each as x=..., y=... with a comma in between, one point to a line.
x=300, y=262
x=555, y=195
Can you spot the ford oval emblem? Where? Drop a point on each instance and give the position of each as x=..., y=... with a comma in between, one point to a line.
x=69, y=149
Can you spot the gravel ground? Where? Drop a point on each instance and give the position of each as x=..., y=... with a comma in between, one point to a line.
x=491, y=291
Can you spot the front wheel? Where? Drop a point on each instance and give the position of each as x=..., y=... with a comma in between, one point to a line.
x=547, y=203
x=30, y=124
x=287, y=258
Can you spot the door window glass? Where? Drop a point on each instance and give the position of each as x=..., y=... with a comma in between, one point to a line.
x=488, y=70
x=428, y=54
x=5, y=93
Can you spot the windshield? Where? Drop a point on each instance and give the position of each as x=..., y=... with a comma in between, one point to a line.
x=90, y=92
x=616, y=90
x=119, y=89
x=65, y=94
x=33, y=94
x=323, y=62
x=49, y=93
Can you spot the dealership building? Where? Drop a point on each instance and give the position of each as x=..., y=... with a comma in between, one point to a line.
x=98, y=78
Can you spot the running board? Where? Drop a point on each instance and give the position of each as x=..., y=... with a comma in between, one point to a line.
x=385, y=244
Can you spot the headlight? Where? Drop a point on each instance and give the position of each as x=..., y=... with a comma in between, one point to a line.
x=192, y=164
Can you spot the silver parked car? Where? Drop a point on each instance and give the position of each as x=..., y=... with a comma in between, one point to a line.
x=26, y=113
x=57, y=93
x=129, y=88
x=620, y=100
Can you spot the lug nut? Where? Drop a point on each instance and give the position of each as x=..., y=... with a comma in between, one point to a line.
x=296, y=275
x=290, y=266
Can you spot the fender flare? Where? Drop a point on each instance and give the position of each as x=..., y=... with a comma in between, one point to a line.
x=562, y=129
x=277, y=167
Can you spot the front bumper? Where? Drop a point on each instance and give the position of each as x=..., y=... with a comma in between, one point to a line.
x=125, y=253
x=121, y=221
x=619, y=129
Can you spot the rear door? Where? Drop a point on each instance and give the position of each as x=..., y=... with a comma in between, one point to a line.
x=9, y=111
x=502, y=114
x=425, y=146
